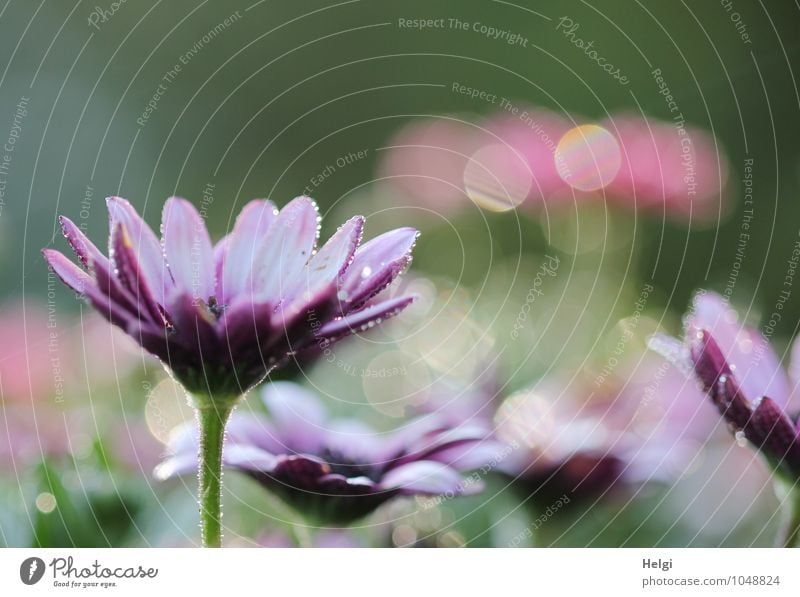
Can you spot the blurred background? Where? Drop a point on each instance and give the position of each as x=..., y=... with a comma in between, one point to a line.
x=577, y=171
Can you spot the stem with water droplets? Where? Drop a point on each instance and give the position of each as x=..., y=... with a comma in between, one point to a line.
x=212, y=417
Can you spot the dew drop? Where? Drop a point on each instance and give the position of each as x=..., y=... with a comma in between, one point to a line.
x=741, y=440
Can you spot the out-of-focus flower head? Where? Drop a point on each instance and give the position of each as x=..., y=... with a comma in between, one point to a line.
x=26, y=354
x=583, y=439
x=742, y=376
x=559, y=445
x=534, y=134
x=426, y=160
x=337, y=471
x=677, y=171
x=221, y=317
x=536, y=158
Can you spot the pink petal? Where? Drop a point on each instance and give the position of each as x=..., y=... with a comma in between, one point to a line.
x=331, y=260
x=85, y=249
x=376, y=264
x=220, y=251
x=423, y=477
x=246, y=246
x=289, y=245
x=757, y=367
x=365, y=319
x=130, y=276
x=145, y=245
x=188, y=249
x=69, y=273
x=297, y=414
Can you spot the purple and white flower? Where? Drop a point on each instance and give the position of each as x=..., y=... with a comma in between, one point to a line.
x=337, y=471
x=222, y=316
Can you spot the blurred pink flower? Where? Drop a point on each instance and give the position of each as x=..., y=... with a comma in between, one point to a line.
x=665, y=168
x=534, y=134
x=576, y=438
x=26, y=368
x=677, y=171
x=426, y=161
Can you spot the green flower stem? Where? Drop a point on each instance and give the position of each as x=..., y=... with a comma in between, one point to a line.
x=212, y=415
x=789, y=495
x=791, y=530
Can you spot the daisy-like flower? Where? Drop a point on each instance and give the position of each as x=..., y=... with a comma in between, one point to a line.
x=220, y=317
x=337, y=471
x=743, y=377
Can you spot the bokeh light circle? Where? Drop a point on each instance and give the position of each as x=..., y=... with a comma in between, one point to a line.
x=588, y=157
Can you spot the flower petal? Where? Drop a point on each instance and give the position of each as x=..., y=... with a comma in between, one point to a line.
x=85, y=249
x=376, y=264
x=718, y=380
x=297, y=415
x=772, y=431
x=175, y=466
x=220, y=251
x=330, y=261
x=245, y=248
x=195, y=326
x=188, y=249
x=249, y=458
x=423, y=477
x=102, y=293
x=758, y=369
x=253, y=429
x=69, y=273
x=146, y=246
x=248, y=327
x=364, y=319
x=130, y=276
x=289, y=245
